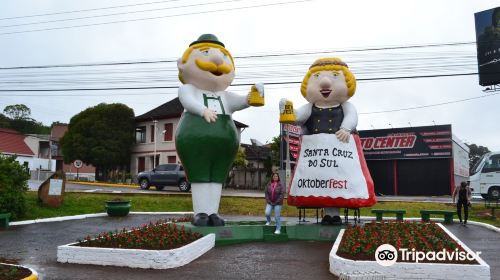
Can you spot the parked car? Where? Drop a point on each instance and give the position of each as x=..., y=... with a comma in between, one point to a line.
x=171, y=174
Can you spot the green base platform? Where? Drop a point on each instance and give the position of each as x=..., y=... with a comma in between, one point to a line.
x=242, y=232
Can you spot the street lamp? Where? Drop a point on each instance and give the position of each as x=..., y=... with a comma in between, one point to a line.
x=154, y=155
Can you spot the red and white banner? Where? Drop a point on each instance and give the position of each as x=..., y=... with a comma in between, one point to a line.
x=330, y=173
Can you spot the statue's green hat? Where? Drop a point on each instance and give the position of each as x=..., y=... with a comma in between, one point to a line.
x=208, y=38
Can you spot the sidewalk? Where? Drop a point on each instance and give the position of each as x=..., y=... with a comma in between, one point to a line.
x=35, y=245
x=33, y=185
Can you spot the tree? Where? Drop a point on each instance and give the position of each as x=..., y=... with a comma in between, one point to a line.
x=275, y=150
x=19, y=120
x=241, y=158
x=475, y=153
x=13, y=186
x=18, y=112
x=102, y=136
x=29, y=126
x=4, y=121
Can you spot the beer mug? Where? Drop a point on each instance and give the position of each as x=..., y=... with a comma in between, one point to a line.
x=287, y=115
x=256, y=95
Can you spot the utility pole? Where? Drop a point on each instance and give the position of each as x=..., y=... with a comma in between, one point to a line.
x=154, y=138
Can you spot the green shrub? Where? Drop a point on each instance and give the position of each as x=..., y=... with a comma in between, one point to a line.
x=13, y=186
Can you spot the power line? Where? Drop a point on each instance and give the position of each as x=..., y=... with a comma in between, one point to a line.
x=89, y=10
x=393, y=110
x=158, y=17
x=240, y=57
x=428, y=106
x=369, y=49
x=235, y=85
x=116, y=14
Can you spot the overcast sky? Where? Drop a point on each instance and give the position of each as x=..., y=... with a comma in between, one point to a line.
x=378, y=39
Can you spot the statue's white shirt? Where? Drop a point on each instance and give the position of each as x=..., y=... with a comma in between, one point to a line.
x=222, y=102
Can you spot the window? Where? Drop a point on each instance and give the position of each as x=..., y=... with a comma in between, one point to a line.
x=171, y=159
x=155, y=164
x=140, y=134
x=492, y=164
x=166, y=167
x=141, y=163
x=478, y=165
x=169, y=131
x=171, y=167
x=162, y=167
x=152, y=133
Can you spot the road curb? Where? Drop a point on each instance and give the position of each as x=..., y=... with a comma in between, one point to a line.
x=85, y=216
x=103, y=184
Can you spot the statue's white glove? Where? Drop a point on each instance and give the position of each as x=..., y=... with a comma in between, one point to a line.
x=209, y=115
x=282, y=105
x=343, y=134
x=260, y=88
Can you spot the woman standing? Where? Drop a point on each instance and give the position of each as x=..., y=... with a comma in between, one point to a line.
x=274, y=200
x=464, y=196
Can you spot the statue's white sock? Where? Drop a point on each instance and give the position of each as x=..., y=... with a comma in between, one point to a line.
x=332, y=211
x=206, y=197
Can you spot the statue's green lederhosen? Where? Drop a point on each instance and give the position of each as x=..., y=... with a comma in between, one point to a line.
x=207, y=150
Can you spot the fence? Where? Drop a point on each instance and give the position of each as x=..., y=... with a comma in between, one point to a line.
x=40, y=175
x=248, y=178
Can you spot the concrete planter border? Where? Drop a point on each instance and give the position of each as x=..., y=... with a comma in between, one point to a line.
x=135, y=258
x=339, y=265
x=33, y=276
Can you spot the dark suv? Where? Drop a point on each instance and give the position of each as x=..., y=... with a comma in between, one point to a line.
x=164, y=175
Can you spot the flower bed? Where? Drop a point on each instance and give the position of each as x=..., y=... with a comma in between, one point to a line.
x=157, y=245
x=360, y=242
x=16, y=272
x=161, y=235
x=424, y=236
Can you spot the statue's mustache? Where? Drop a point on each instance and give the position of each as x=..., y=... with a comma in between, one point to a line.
x=212, y=67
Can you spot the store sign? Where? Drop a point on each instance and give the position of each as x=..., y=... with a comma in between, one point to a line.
x=488, y=46
x=407, y=142
x=290, y=143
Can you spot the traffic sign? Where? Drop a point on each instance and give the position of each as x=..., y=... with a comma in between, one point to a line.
x=78, y=163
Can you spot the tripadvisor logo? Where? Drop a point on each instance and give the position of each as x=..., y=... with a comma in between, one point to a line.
x=387, y=255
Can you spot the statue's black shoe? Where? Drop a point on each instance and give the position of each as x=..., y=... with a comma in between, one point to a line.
x=336, y=220
x=215, y=221
x=201, y=220
x=327, y=220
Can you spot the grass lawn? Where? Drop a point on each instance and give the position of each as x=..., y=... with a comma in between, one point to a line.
x=86, y=203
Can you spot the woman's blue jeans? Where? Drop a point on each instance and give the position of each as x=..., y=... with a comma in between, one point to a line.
x=277, y=216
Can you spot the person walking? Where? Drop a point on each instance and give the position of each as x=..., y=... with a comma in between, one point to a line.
x=464, y=196
x=275, y=192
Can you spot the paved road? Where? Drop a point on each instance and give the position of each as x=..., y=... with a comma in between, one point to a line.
x=225, y=192
x=36, y=246
x=481, y=239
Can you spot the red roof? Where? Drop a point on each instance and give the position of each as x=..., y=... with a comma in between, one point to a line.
x=12, y=142
x=58, y=131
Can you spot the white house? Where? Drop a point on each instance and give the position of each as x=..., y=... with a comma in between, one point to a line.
x=154, y=134
x=29, y=150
